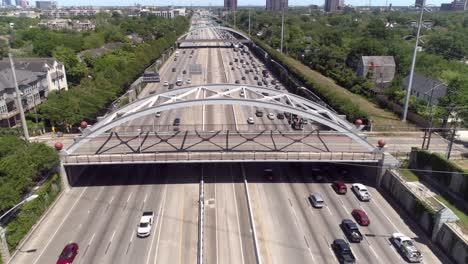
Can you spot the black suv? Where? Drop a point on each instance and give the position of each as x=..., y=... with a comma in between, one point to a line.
x=176, y=121
x=259, y=113
x=173, y=69
x=343, y=251
x=280, y=116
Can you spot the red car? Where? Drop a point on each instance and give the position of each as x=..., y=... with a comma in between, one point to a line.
x=361, y=217
x=339, y=187
x=68, y=254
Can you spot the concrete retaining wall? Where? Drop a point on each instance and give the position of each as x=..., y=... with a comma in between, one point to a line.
x=408, y=200
x=450, y=241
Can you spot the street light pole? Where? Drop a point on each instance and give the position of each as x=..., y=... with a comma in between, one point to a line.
x=4, y=251
x=18, y=100
x=413, y=63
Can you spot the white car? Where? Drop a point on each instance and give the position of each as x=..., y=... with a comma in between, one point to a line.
x=188, y=81
x=144, y=227
x=406, y=246
x=166, y=83
x=250, y=121
x=271, y=116
x=361, y=192
x=158, y=114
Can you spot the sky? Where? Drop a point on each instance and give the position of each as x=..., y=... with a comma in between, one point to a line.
x=240, y=2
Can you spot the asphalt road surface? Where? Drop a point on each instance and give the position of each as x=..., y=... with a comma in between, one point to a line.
x=102, y=213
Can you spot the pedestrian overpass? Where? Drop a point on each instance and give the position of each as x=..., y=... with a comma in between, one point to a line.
x=105, y=143
x=239, y=36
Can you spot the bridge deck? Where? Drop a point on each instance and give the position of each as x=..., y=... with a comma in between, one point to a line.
x=207, y=157
x=213, y=40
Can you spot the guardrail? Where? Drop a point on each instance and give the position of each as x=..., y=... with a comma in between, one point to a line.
x=170, y=157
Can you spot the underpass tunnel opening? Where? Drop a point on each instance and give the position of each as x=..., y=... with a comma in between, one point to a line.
x=222, y=172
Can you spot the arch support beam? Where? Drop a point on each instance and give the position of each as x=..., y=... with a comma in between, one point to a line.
x=222, y=94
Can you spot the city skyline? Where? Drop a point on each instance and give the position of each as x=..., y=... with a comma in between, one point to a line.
x=240, y=3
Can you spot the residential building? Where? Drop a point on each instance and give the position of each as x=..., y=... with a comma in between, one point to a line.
x=46, y=5
x=333, y=5
x=230, y=5
x=66, y=13
x=424, y=88
x=75, y=25
x=378, y=69
x=165, y=13
x=36, y=77
x=276, y=5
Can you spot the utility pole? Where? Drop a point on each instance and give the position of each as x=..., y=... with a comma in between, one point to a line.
x=282, y=26
x=249, y=21
x=18, y=100
x=452, y=138
x=413, y=62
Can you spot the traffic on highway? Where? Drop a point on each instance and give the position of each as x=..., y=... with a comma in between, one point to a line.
x=224, y=212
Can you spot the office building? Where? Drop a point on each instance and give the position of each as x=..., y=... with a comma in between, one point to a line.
x=276, y=5
x=419, y=2
x=45, y=5
x=333, y=5
x=230, y=5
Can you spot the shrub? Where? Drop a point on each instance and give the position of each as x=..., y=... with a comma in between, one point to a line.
x=32, y=211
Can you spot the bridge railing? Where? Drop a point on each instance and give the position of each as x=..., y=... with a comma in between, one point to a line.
x=171, y=157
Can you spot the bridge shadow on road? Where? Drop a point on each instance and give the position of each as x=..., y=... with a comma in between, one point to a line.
x=190, y=173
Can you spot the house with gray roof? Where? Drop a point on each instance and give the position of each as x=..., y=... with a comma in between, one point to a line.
x=425, y=87
x=36, y=78
x=378, y=69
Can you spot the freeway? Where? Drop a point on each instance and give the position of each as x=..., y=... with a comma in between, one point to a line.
x=102, y=212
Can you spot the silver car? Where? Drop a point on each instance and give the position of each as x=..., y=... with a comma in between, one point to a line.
x=316, y=200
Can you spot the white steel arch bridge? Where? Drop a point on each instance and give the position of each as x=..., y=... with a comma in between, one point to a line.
x=223, y=94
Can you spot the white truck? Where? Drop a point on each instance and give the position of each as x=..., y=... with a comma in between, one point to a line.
x=146, y=221
x=407, y=248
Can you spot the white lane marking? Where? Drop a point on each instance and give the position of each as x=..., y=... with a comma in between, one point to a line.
x=375, y=254
x=159, y=221
x=328, y=208
x=238, y=223
x=91, y=240
x=112, y=199
x=60, y=225
x=112, y=237
x=385, y=215
x=329, y=247
x=146, y=196
x=299, y=228
x=128, y=199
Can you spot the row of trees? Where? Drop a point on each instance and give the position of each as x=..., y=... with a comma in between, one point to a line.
x=333, y=45
x=95, y=82
x=22, y=164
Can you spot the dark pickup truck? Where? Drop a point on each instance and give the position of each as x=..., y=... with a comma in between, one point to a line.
x=343, y=251
x=351, y=230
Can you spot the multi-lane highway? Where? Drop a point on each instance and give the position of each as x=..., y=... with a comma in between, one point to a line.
x=102, y=211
